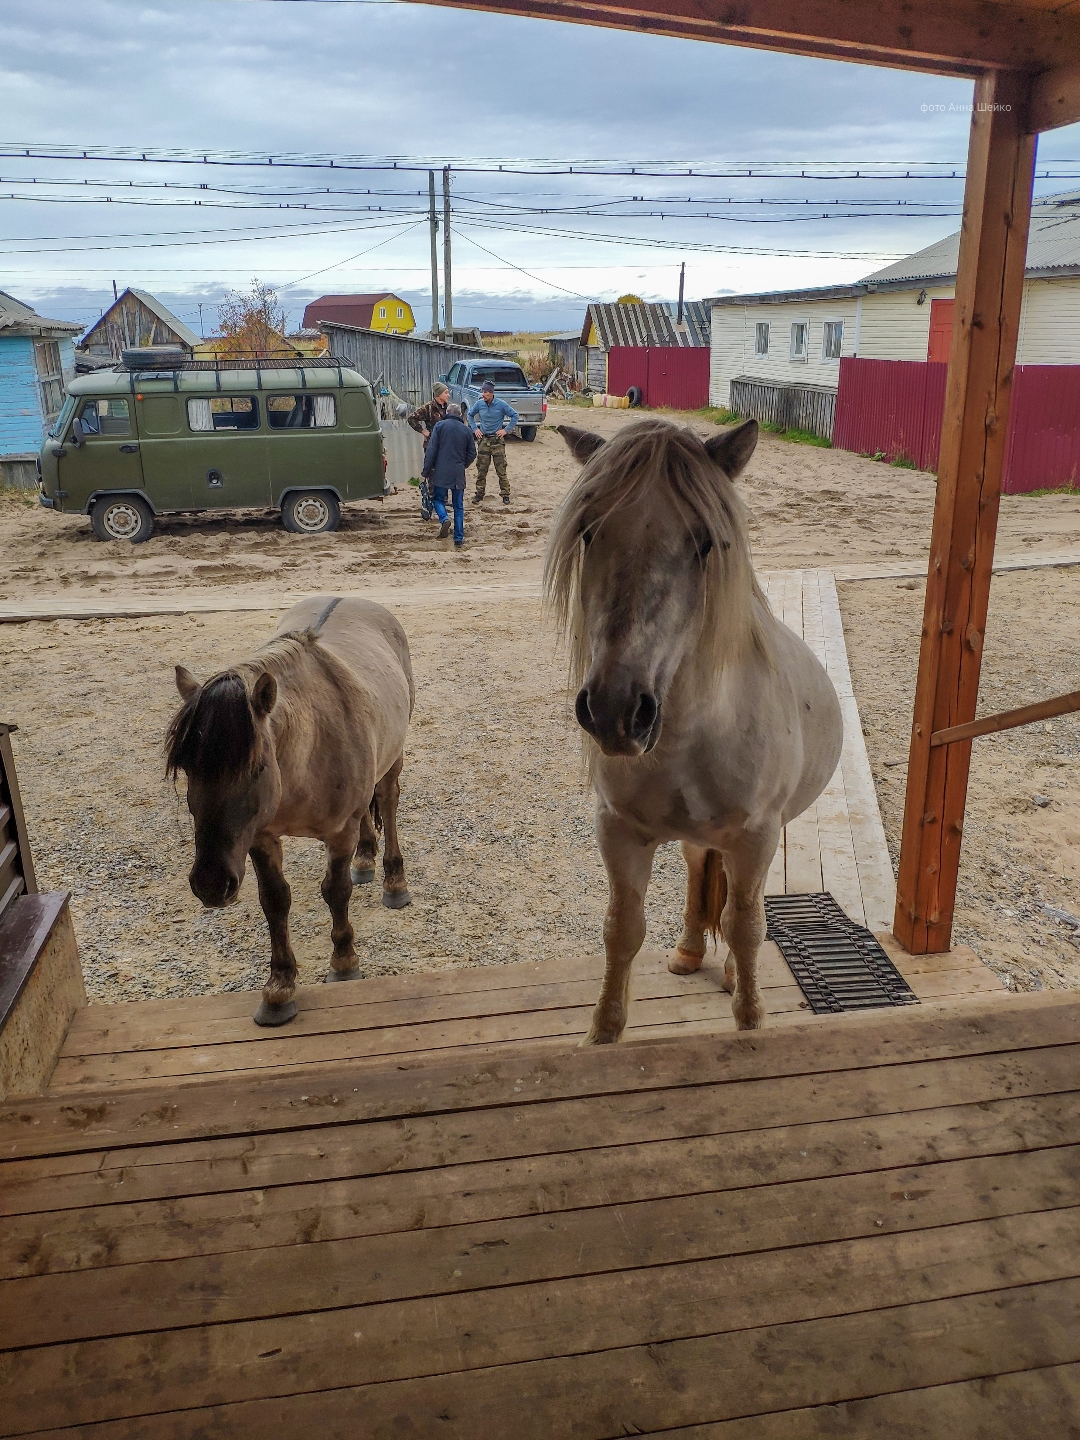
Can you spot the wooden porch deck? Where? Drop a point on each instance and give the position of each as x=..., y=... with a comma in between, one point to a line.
x=867, y=1225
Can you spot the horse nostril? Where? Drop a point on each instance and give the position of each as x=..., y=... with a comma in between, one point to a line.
x=644, y=716
x=581, y=709
x=232, y=885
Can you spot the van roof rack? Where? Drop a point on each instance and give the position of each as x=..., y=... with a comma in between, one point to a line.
x=189, y=364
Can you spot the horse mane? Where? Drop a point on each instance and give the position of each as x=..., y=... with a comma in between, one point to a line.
x=213, y=735
x=655, y=462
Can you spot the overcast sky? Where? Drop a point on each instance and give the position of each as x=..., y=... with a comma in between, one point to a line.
x=337, y=79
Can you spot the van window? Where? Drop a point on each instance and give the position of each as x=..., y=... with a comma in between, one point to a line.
x=160, y=415
x=300, y=412
x=223, y=412
x=106, y=417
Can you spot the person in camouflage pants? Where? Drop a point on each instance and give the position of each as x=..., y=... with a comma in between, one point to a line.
x=492, y=419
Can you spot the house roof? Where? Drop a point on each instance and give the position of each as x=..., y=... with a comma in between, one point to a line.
x=347, y=309
x=1053, y=245
x=154, y=305
x=1053, y=252
x=18, y=318
x=651, y=324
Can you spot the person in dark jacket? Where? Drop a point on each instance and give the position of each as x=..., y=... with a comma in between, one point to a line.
x=450, y=451
x=423, y=421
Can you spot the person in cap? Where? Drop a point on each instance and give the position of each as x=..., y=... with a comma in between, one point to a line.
x=450, y=451
x=423, y=420
x=491, y=419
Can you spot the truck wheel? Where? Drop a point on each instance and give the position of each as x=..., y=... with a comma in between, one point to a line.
x=635, y=396
x=122, y=517
x=527, y=432
x=310, y=512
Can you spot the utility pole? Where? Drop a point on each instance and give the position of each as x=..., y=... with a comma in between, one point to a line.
x=202, y=332
x=682, y=287
x=448, y=304
x=433, y=225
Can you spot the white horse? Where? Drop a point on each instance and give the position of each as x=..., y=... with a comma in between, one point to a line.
x=710, y=722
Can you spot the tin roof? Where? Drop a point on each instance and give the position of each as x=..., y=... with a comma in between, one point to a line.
x=650, y=324
x=18, y=318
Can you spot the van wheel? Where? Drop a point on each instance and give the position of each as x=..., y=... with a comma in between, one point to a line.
x=310, y=512
x=122, y=517
x=528, y=432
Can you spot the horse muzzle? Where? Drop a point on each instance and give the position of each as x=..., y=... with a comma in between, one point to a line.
x=626, y=723
x=217, y=890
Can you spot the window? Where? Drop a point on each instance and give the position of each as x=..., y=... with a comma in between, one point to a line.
x=300, y=412
x=59, y=425
x=400, y=313
x=105, y=417
x=50, y=376
x=511, y=375
x=833, y=340
x=223, y=412
x=761, y=338
x=798, y=340
x=382, y=312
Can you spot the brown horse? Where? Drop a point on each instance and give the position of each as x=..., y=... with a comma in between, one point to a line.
x=304, y=738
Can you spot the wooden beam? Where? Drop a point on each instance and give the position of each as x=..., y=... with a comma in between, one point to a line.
x=960, y=37
x=989, y=287
x=1055, y=99
x=1009, y=719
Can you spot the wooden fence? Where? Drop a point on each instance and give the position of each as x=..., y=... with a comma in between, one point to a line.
x=795, y=407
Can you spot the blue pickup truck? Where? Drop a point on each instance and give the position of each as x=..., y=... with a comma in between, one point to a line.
x=508, y=378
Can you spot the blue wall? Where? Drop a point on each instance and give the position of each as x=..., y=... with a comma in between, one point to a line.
x=22, y=425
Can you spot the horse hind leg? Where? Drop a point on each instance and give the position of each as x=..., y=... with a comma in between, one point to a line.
x=363, y=864
x=278, y=1005
x=395, y=891
x=706, y=892
x=336, y=891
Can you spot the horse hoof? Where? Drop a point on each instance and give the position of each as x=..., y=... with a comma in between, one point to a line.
x=682, y=963
x=275, y=1014
x=362, y=877
x=332, y=974
x=396, y=899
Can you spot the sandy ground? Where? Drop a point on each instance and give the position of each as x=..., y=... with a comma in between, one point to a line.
x=807, y=506
x=1018, y=901
x=496, y=820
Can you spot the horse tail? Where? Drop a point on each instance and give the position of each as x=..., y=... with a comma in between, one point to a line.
x=713, y=892
x=376, y=814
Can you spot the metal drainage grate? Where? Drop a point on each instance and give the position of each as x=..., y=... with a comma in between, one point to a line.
x=838, y=964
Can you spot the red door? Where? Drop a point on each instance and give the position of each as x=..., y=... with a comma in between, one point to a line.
x=941, y=317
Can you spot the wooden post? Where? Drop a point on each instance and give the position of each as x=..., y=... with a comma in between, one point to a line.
x=986, y=321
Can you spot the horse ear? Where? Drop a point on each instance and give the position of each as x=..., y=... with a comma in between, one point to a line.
x=733, y=448
x=185, y=682
x=264, y=695
x=582, y=443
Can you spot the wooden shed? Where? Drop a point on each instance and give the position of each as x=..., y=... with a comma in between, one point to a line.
x=135, y=318
x=36, y=359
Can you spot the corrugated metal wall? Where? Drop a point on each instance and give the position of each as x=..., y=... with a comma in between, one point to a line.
x=408, y=366
x=891, y=406
x=674, y=378
x=895, y=407
x=795, y=407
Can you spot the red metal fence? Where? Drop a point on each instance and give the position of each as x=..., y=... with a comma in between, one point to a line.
x=673, y=376
x=894, y=407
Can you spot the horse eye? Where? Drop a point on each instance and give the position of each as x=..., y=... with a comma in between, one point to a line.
x=704, y=547
x=586, y=535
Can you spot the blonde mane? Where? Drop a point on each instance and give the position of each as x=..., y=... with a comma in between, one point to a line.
x=655, y=463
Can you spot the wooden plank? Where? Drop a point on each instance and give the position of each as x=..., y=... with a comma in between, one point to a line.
x=224, y=1218
x=832, y=626
x=989, y=290
x=876, y=880
x=802, y=854
x=913, y=1095
x=99, y=1380
x=1055, y=98
x=1009, y=719
x=839, y=867
x=327, y=1094
x=310, y=1273
x=1026, y=1402
x=636, y=1389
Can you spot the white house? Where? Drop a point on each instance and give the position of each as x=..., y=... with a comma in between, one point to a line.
x=787, y=341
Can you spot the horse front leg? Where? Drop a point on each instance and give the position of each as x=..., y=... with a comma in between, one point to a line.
x=743, y=924
x=337, y=887
x=275, y=897
x=395, y=891
x=628, y=860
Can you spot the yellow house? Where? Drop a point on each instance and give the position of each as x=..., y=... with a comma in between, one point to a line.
x=389, y=313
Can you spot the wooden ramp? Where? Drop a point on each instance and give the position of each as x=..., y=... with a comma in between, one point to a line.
x=864, y=1226
x=447, y=1012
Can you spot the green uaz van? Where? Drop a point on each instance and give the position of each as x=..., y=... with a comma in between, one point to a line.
x=133, y=443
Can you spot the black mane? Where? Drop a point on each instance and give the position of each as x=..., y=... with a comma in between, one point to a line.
x=212, y=735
